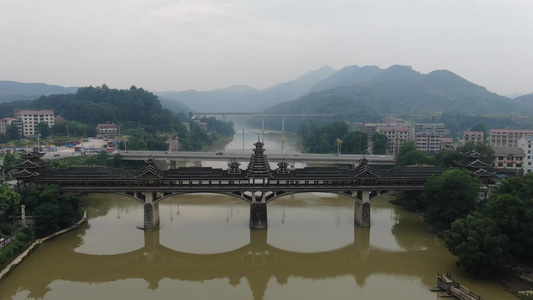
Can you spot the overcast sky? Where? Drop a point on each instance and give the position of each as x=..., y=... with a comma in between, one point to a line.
x=162, y=45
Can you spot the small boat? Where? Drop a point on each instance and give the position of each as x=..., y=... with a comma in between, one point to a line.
x=451, y=288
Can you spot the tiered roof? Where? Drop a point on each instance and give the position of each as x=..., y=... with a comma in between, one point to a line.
x=234, y=167
x=31, y=167
x=364, y=170
x=258, y=166
x=150, y=170
x=472, y=161
x=283, y=168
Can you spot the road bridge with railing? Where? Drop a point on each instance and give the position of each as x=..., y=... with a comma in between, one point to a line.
x=236, y=155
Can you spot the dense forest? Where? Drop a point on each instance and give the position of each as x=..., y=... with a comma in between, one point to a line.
x=337, y=137
x=138, y=113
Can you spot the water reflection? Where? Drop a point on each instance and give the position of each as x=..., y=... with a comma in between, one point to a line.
x=109, y=258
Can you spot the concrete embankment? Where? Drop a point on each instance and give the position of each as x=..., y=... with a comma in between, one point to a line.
x=35, y=244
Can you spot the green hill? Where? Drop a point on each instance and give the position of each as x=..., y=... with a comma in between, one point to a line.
x=402, y=90
x=12, y=90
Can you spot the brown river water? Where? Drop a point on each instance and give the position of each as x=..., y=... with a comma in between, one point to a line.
x=205, y=250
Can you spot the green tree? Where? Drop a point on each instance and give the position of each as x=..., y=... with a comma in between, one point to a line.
x=43, y=130
x=50, y=210
x=12, y=132
x=76, y=129
x=59, y=129
x=447, y=158
x=450, y=196
x=355, y=142
x=46, y=216
x=478, y=243
x=323, y=139
x=9, y=199
x=380, y=143
x=408, y=155
x=412, y=200
x=520, y=186
x=10, y=161
x=513, y=216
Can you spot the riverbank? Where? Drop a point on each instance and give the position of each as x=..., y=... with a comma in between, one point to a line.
x=518, y=278
x=35, y=244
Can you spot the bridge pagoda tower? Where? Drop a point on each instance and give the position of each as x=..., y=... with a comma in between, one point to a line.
x=258, y=174
x=33, y=165
x=150, y=175
x=365, y=173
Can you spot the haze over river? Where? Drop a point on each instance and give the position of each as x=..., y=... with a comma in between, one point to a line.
x=205, y=250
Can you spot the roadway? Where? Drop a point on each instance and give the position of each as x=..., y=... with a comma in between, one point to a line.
x=245, y=156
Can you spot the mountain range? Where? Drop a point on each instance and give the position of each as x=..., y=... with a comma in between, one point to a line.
x=12, y=90
x=351, y=90
x=354, y=90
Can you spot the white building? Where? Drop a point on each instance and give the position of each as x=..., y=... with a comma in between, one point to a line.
x=435, y=127
x=509, y=158
x=30, y=118
x=525, y=143
x=473, y=136
x=106, y=130
x=397, y=137
x=506, y=137
x=428, y=141
x=4, y=123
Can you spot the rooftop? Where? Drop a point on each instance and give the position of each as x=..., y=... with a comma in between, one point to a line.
x=516, y=151
x=512, y=130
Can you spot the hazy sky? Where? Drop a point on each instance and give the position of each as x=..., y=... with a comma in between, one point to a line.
x=165, y=45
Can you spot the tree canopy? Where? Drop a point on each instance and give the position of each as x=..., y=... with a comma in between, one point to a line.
x=380, y=143
x=499, y=230
x=450, y=196
x=50, y=211
x=479, y=253
x=9, y=199
x=408, y=155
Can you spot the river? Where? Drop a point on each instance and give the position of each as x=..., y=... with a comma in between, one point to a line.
x=205, y=250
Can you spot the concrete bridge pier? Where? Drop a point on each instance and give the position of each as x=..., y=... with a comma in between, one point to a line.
x=172, y=164
x=362, y=210
x=258, y=216
x=151, y=212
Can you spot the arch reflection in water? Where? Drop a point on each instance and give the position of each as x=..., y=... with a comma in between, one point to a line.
x=255, y=269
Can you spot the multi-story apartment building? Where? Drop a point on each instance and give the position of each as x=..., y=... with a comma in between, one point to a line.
x=446, y=143
x=4, y=123
x=475, y=136
x=509, y=158
x=435, y=127
x=397, y=137
x=428, y=141
x=371, y=128
x=525, y=143
x=506, y=137
x=106, y=130
x=30, y=118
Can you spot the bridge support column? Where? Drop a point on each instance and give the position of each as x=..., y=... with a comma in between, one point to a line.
x=362, y=210
x=151, y=212
x=173, y=164
x=258, y=216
